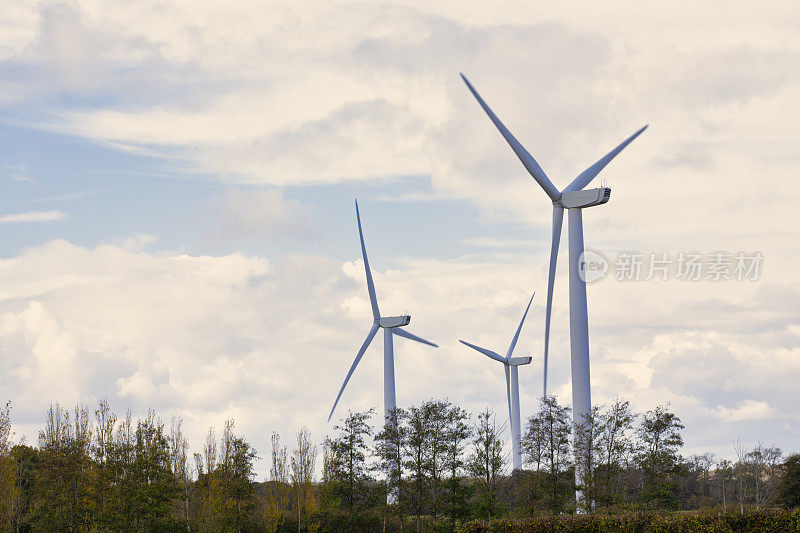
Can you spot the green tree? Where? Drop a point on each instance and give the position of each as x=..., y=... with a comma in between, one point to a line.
x=486, y=463
x=658, y=457
x=151, y=481
x=456, y=432
x=63, y=499
x=788, y=489
x=587, y=451
x=548, y=434
x=179, y=464
x=349, y=449
x=388, y=452
x=616, y=446
x=438, y=420
x=416, y=457
x=235, y=473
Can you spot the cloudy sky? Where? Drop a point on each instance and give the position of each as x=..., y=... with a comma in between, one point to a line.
x=177, y=227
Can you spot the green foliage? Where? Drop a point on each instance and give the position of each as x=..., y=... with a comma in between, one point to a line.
x=110, y=474
x=486, y=464
x=766, y=521
x=788, y=493
x=348, y=467
x=659, y=434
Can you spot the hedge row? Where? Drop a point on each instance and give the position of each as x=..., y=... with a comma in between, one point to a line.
x=769, y=520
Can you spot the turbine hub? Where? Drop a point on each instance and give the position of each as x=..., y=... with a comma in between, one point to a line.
x=394, y=321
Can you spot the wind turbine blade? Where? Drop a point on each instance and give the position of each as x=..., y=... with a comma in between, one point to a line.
x=407, y=335
x=585, y=177
x=519, y=328
x=494, y=355
x=526, y=158
x=508, y=396
x=558, y=218
x=371, y=335
x=370, y=284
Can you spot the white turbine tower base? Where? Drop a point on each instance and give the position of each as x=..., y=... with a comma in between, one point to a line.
x=574, y=198
x=510, y=365
x=392, y=325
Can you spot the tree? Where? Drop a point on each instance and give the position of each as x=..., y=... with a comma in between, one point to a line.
x=586, y=452
x=235, y=472
x=416, y=457
x=723, y=475
x=303, y=461
x=788, y=490
x=388, y=450
x=659, y=434
x=534, y=441
x=350, y=450
x=277, y=491
x=105, y=420
x=438, y=419
x=8, y=495
x=765, y=464
x=179, y=463
x=615, y=425
x=456, y=432
x=486, y=463
x=556, y=426
x=151, y=481
x=63, y=477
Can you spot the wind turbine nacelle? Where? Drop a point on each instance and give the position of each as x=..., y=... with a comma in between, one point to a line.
x=394, y=321
x=587, y=198
x=517, y=361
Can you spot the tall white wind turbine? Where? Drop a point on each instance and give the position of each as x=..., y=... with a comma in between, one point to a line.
x=392, y=325
x=510, y=365
x=574, y=198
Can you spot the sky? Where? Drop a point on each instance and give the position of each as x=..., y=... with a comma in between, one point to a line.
x=177, y=228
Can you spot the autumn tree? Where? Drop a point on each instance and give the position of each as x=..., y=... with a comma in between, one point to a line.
x=303, y=460
x=277, y=490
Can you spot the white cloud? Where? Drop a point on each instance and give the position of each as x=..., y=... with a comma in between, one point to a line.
x=747, y=410
x=32, y=216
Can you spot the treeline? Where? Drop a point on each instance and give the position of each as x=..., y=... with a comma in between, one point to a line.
x=439, y=467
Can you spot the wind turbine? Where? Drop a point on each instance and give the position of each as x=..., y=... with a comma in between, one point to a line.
x=510, y=365
x=574, y=198
x=391, y=326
